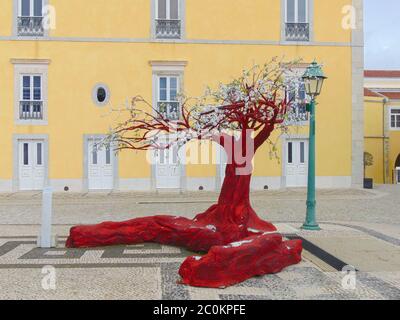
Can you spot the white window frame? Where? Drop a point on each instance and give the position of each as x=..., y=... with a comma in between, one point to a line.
x=31, y=98
x=296, y=12
x=166, y=69
x=168, y=10
x=300, y=70
x=181, y=17
x=31, y=14
x=168, y=88
x=17, y=12
x=30, y=67
x=395, y=128
x=168, y=76
x=44, y=138
x=309, y=19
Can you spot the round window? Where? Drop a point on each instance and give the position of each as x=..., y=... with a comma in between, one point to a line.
x=101, y=94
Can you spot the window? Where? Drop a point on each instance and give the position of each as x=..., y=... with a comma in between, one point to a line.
x=39, y=160
x=167, y=102
x=108, y=154
x=26, y=154
x=31, y=104
x=398, y=175
x=395, y=118
x=298, y=111
x=168, y=23
x=101, y=94
x=30, y=91
x=297, y=20
x=94, y=155
x=290, y=152
x=302, y=152
x=30, y=18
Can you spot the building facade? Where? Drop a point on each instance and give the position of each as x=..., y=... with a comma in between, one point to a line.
x=382, y=125
x=65, y=64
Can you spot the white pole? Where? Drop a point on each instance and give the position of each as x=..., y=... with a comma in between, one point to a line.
x=45, y=232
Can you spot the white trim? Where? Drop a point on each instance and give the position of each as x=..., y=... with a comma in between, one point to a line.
x=29, y=67
x=390, y=118
x=357, y=120
x=166, y=68
x=310, y=21
x=296, y=12
x=30, y=61
x=284, y=140
x=168, y=10
x=17, y=13
x=32, y=87
x=114, y=158
x=154, y=16
x=16, y=162
x=250, y=42
x=94, y=94
x=31, y=7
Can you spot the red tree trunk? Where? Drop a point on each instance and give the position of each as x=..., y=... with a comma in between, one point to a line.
x=231, y=219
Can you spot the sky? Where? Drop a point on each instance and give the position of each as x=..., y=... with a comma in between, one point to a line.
x=382, y=34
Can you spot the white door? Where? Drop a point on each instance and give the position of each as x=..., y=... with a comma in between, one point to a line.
x=31, y=164
x=100, y=171
x=296, y=163
x=168, y=170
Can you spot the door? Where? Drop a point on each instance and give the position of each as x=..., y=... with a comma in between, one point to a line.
x=101, y=166
x=168, y=169
x=398, y=175
x=296, y=163
x=31, y=164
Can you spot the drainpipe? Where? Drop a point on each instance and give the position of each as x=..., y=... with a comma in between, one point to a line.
x=384, y=123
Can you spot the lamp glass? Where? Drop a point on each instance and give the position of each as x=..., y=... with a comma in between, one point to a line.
x=313, y=79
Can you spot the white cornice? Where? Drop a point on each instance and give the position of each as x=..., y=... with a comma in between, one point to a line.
x=167, y=63
x=30, y=61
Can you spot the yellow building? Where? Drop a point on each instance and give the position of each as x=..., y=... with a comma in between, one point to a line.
x=65, y=64
x=382, y=125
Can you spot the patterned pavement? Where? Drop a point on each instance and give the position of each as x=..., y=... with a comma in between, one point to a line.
x=150, y=271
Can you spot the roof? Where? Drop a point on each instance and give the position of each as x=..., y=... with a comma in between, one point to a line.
x=382, y=73
x=369, y=93
x=391, y=95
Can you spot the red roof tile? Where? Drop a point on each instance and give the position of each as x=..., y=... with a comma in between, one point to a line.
x=391, y=95
x=369, y=93
x=382, y=73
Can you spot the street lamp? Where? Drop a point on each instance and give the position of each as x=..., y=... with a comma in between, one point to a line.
x=313, y=80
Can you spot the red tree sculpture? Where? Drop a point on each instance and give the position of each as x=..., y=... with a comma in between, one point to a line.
x=240, y=117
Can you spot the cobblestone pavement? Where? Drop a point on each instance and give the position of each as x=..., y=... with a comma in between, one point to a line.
x=378, y=206
x=360, y=228
x=150, y=271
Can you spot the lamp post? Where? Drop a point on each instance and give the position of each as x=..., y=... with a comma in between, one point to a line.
x=313, y=80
